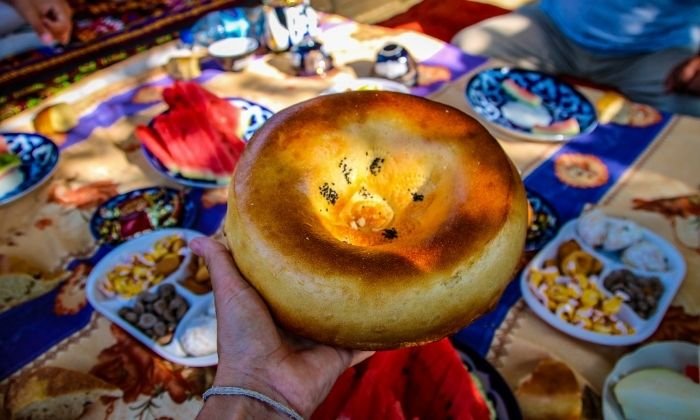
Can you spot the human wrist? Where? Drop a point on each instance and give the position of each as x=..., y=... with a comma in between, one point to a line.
x=236, y=407
x=251, y=380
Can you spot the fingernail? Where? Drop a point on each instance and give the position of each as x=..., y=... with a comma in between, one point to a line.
x=196, y=245
x=47, y=39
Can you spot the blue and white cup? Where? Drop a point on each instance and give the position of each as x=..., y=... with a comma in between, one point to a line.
x=288, y=22
x=309, y=58
x=395, y=63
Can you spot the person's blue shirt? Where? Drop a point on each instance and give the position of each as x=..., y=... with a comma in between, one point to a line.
x=627, y=26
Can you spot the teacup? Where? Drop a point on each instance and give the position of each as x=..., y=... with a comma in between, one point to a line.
x=233, y=54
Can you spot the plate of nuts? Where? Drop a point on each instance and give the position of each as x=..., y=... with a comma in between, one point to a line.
x=593, y=290
x=156, y=289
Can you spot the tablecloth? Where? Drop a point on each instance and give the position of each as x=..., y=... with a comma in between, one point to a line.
x=648, y=173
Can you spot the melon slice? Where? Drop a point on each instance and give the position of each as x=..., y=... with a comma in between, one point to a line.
x=520, y=93
x=8, y=162
x=658, y=393
x=197, y=137
x=155, y=145
x=567, y=127
x=4, y=147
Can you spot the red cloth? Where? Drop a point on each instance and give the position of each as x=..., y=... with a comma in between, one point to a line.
x=442, y=19
x=426, y=382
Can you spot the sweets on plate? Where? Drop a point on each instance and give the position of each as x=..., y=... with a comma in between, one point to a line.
x=639, y=293
x=156, y=313
x=625, y=237
x=199, y=336
x=142, y=271
x=197, y=280
x=568, y=286
x=645, y=256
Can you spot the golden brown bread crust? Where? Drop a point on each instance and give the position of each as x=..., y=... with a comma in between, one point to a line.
x=375, y=219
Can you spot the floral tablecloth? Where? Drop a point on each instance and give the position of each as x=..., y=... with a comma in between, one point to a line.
x=647, y=175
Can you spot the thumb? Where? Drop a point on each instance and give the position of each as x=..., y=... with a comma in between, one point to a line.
x=690, y=69
x=226, y=280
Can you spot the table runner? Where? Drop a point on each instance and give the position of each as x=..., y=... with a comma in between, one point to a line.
x=101, y=157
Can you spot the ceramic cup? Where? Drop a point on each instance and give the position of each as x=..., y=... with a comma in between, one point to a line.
x=309, y=58
x=233, y=54
x=395, y=63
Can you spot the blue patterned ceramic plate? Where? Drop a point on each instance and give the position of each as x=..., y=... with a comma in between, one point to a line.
x=132, y=213
x=495, y=387
x=256, y=115
x=559, y=102
x=544, y=223
x=39, y=157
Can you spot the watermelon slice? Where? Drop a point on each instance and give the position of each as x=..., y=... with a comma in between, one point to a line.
x=197, y=137
x=4, y=148
x=520, y=93
x=8, y=162
x=568, y=127
x=152, y=141
x=426, y=382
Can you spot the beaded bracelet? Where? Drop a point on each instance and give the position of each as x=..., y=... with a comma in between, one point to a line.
x=234, y=390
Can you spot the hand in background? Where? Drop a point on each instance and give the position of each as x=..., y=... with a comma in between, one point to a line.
x=685, y=78
x=51, y=19
x=254, y=353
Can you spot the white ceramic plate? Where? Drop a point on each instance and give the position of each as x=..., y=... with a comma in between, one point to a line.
x=109, y=305
x=670, y=279
x=674, y=355
x=367, y=83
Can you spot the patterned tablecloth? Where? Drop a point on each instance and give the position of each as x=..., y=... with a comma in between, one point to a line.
x=647, y=175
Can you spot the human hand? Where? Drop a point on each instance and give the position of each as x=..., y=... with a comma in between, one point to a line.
x=685, y=78
x=254, y=353
x=51, y=19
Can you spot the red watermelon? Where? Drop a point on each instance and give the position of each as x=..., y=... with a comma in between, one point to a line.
x=197, y=137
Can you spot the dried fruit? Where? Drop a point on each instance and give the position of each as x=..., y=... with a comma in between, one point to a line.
x=145, y=270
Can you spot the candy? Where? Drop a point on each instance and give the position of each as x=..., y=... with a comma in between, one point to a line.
x=569, y=288
x=145, y=270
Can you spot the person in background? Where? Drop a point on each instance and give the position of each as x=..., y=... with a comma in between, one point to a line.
x=257, y=357
x=31, y=24
x=649, y=50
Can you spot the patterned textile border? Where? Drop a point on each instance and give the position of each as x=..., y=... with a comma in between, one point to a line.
x=150, y=34
x=617, y=147
x=119, y=38
x=32, y=95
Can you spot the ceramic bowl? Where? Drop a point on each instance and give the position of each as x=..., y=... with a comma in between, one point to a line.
x=233, y=54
